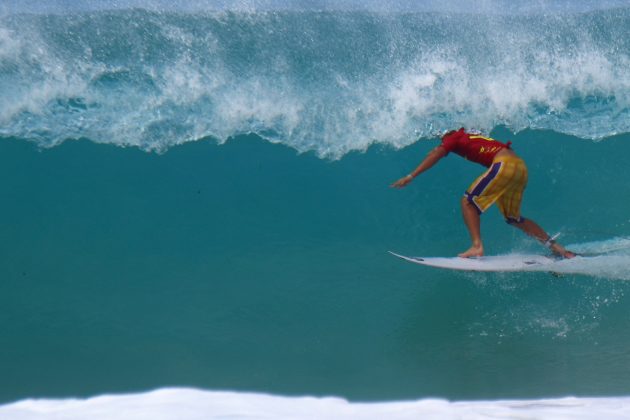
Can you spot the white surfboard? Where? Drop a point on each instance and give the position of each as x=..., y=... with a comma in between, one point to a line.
x=513, y=262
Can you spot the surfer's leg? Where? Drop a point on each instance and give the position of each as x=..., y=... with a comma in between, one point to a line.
x=510, y=206
x=530, y=228
x=472, y=219
x=481, y=194
x=534, y=230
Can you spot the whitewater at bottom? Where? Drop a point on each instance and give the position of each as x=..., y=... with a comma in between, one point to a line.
x=192, y=404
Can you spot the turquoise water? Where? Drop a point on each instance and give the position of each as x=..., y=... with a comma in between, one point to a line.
x=201, y=199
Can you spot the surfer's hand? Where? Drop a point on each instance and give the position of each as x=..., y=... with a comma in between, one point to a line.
x=402, y=182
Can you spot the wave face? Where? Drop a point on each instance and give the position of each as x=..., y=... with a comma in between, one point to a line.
x=250, y=267
x=323, y=81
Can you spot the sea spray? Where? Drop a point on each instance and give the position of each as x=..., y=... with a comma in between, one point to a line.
x=328, y=82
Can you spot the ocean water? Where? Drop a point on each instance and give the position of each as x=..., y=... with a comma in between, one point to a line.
x=197, y=196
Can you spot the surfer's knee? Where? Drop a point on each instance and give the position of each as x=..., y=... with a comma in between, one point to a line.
x=467, y=202
x=514, y=221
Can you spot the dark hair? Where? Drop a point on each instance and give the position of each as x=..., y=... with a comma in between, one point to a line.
x=448, y=133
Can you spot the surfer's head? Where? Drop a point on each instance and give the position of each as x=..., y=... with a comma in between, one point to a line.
x=450, y=133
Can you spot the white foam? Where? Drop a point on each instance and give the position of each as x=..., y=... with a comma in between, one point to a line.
x=613, y=245
x=612, y=267
x=451, y=6
x=202, y=87
x=192, y=404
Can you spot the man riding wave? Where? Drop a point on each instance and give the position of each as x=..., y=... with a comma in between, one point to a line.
x=503, y=182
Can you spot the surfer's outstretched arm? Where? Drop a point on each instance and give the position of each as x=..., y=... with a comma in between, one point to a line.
x=431, y=159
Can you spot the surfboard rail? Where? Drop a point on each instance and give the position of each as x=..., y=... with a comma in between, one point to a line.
x=493, y=263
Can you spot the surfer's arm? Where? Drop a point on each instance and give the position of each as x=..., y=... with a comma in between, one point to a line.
x=431, y=159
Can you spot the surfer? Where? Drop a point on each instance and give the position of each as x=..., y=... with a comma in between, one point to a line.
x=503, y=183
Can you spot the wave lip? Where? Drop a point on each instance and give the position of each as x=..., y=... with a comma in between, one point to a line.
x=451, y=6
x=193, y=404
x=328, y=82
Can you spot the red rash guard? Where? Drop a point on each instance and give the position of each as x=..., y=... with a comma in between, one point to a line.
x=473, y=147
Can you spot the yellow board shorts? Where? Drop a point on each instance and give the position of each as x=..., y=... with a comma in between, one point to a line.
x=504, y=182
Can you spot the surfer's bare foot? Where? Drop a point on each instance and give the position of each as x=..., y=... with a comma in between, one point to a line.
x=561, y=252
x=473, y=251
